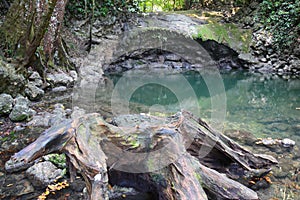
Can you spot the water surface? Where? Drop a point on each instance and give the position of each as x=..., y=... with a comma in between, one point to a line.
x=265, y=105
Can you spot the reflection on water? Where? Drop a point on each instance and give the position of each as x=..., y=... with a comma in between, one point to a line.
x=266, y=105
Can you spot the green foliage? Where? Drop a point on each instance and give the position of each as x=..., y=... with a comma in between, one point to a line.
x=282, y=19
x=11, y=137
x=57, y=159
x=82, y=9
x=161, y=5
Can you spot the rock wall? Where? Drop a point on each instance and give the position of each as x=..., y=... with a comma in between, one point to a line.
x=263, y=56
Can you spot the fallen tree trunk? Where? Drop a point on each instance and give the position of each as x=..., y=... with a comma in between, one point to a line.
x=163, y=156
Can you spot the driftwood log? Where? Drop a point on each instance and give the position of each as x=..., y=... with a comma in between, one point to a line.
x=162, y=156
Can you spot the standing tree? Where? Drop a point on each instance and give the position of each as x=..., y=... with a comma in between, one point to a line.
x=31, y=32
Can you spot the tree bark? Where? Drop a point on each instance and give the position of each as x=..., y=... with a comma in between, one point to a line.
x=174, y=171
x=30, y=25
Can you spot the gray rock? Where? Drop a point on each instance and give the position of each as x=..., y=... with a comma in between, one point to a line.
x=33, y=92
x=157, y=65
x=297, y=51
x=10, y=82
x=286, y=142
x=128, y=64
x=59, y=89
x=38, y=83
x=118, y=192
x=266, y=68
x=248, y=58
x=263, y=59
x=186, y=65
x=77, y=112
x=295, y=64
x=35, y=76
x=43, y=173
x=74, y=75
x=59, y=79
x=68, y=112
x=172, y=57
x=41, y=120
x=280, y=71
x=278, y=65
x=46, y=119
x=21, y=110
x=177, y=65
x=269, y=141
x=6, y=104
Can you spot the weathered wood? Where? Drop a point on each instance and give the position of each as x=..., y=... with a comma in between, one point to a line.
x=91, y=145
x=206, y=137
x=222, y=187
x=83, y=152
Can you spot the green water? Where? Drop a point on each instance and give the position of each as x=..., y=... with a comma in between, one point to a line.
x=265, y=105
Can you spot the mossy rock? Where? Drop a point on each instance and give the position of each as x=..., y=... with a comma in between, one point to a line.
x=228, y=34
x=10, y=82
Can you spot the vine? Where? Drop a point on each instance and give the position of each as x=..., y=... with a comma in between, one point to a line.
x=282, y=19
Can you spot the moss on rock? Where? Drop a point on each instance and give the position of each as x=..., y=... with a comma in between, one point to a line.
x=229, y=34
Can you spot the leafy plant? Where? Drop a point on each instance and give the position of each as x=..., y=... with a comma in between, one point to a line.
x=82, y=9
x=57, y=159
x=10, y=137
x=282, y=19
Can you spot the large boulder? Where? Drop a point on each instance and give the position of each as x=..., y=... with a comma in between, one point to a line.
x=21, y=110
x=6, y=104
x=10, y=82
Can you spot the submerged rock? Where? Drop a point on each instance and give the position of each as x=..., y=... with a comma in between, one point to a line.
x=286, y=142
x=43, y=173
x=6, y=104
